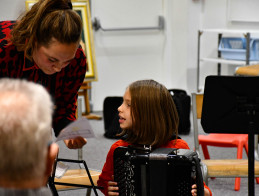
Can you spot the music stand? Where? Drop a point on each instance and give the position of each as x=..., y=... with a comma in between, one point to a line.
x=231, y=105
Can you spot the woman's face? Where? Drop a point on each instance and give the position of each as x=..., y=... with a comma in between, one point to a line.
x=124, y=111
x=55, y=57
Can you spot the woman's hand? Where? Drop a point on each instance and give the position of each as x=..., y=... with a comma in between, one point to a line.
x=75, y=143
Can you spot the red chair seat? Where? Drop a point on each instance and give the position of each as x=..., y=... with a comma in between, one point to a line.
x=225, y=140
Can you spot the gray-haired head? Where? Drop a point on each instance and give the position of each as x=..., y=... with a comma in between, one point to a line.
x=25, y=129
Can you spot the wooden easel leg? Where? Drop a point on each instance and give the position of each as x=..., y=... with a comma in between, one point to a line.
x=85, y=86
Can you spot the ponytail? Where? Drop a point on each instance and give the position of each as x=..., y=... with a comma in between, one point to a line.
x=47, y=19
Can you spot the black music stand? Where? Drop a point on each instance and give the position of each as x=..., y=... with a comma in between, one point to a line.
x=52, y=182
x=231, y=105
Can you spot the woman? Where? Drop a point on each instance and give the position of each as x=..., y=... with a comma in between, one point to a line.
x=43, y=46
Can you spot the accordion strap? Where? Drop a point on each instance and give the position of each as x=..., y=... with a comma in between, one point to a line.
x=199, y=177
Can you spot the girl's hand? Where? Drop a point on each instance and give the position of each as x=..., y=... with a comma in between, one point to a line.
x=112, y=186
x=194, y=191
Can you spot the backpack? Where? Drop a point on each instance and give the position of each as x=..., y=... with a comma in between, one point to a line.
x=111, y=117
x=183, y=105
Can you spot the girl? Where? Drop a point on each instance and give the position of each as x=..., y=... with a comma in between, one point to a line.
x=43, y=47
x=147, y=116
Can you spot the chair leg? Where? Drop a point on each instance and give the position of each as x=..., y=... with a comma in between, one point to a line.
x=237, y=184
x=239, y=156
x=205, y=151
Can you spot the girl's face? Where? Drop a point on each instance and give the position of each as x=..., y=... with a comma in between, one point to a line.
x=55, y=57
x=124, y=111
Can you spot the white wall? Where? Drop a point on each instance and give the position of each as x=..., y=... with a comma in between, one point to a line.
x=10, y=10
x=215, y=16
x=126, y=56
x=123, y=57
x=168, y=56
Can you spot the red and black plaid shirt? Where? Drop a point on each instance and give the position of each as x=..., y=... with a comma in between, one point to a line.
x=63, y=86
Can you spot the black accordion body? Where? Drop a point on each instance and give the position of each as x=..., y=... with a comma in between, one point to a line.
x=162, y=172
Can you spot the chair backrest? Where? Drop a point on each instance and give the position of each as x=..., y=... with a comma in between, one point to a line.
x=197, y=100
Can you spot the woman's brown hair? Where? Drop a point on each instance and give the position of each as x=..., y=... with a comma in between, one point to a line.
x=154, y=115
x=47, y=19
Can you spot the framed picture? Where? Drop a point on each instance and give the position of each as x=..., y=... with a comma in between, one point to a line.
x=82, y=7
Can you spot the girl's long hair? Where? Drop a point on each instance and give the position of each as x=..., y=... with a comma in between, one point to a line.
x=154, y=115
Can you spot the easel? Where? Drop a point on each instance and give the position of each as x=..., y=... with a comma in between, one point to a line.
x=83, y=91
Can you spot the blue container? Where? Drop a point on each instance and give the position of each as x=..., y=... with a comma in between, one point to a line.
x=234, y=48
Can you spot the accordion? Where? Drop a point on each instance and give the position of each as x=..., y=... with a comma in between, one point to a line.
x=163, y=171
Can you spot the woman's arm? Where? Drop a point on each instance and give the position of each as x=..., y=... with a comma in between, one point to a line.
x=67, y=84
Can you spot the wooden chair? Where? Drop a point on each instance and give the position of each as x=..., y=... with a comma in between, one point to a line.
x=221, y=168
x=249, y=70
